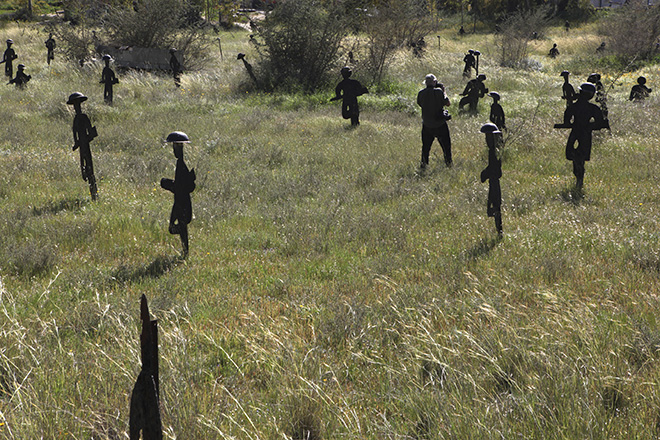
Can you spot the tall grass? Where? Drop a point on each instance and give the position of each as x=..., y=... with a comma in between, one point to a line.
x=331, y=291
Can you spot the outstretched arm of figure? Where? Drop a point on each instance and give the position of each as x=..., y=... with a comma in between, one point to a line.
x=167, y=184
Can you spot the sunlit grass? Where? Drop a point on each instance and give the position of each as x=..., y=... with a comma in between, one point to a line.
x=331, y=289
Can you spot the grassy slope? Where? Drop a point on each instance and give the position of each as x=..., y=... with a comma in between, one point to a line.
x=329, y=287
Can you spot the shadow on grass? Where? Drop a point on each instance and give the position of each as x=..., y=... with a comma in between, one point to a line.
x=160, y=265
x=482, y=248
x=53, y=207
x=572, y=195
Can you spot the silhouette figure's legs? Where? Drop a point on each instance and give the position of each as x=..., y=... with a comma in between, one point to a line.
x=183, y=228
x=578, y=171
x=107, y=94
x=464, y=100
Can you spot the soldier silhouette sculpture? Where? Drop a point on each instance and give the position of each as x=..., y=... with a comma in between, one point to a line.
x=470, y=62
x=582, y=118
x=474, y=89
x=568, y=92
x=493, y=173
x=601, y=96
x=50, y=47
x=176, y=68
x=553, y=51
x=108, y=79
x=639, y=91
x=497, y=112
x=182, y=185
x=21, y=77
x=144, y=415
x=83, y=133
x=433, y=99
x=8, y=58
x=348, y=91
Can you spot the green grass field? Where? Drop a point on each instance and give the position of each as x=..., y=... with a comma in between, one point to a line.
x=331, y=291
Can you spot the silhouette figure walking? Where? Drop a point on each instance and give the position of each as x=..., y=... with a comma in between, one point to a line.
x=496, y=111
x=470, y=62
x=348, y=91
x=175, y=65
x=83, y=133
x=568, y=92
x=493, y=173
x=182, y=185
x=50, y=46
x=108, y=79
x=8, y=58
x=582, y=118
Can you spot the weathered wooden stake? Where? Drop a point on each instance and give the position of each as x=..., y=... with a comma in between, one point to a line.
x=145, y=403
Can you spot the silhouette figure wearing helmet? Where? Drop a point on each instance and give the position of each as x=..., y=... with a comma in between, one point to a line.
x=493, y=173
x=21, y=77
x=348, y=91
x=470, y=62
x=568, y=92
x=182, y=185
x=83, y=133
x=432, y=100
x=50, y=47
x=108, y=79
x=639, y=91
x=8, y=58
x=496, y=111
x=474, y=89
x=582, y=118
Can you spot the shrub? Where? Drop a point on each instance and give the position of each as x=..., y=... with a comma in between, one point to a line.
x=391, y=27
x=515, y=33
x=633, y=30
x=299, y=42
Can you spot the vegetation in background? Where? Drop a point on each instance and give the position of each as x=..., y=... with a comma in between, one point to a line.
x=516, y=31
x=331, y=291
x=633, y=30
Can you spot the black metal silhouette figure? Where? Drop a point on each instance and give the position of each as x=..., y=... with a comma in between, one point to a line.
x=601, y=48
x=497, y=112
x=175, y=65
x=470, y=62
x=601, y=96
x=461, y=31
x=8, y=58
x=348, y=91
x=493, y=173
x=567, y=25
x=582, y=118
x=108, y=79
x=144, y=415
x=50, y=46
x=554, y=51
x=432, y=99
x=248, y=67
x=83, y=133
x=182, y=185
x=568, y=92
x=21, y=77
x=639, y=91
x=474, y=89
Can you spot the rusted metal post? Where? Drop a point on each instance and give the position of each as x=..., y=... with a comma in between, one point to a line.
x=145, y=403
